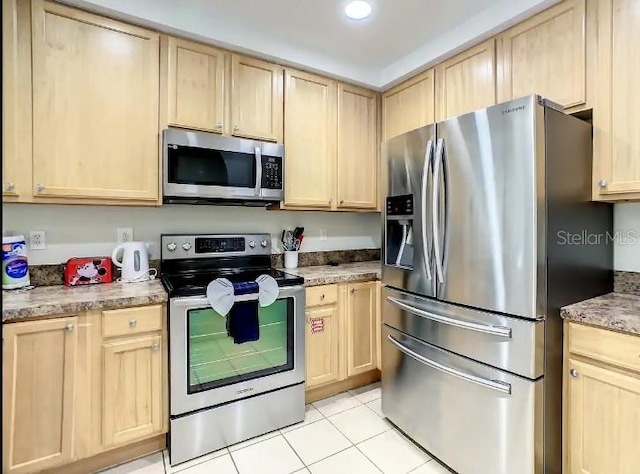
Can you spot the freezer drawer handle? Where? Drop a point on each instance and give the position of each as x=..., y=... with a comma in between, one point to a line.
x=491, y=384
x=493, y=330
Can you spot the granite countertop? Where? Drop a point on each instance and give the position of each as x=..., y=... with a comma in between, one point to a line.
x=47, y=301
x=617, y=311
x=345, y=272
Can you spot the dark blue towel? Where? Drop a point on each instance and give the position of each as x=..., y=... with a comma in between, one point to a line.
x=242, y=320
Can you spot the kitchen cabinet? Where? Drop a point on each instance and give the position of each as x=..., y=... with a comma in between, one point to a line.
x=95, y=107
x=602, y=401
x=81, y=386
x=256, y=99
x=361, y=331
x=39, y=386
x=378, y=325
x=546, y=55
x=616, y=108
x=322, y=337
x=357, y=148
x=193, y=85
x=132, y=389
x=466, y=82
x=310, y=125
x=409, y=105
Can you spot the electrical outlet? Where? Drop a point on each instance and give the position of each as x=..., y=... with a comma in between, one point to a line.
x=324, y=235
x=37, y=240
x=124, y=234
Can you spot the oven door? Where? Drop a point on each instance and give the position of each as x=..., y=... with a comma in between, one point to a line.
x=208, y=369
x=205, y=165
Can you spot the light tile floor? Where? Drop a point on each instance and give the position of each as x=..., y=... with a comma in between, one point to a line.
x=346, y=434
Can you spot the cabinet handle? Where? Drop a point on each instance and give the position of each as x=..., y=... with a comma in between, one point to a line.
x=39, y=187
x=573, y=372
x=341, y=202
x=9, y=186
x=330, y=201
x=155, y=347
x=321, y=297
x=219, y=125
x=133, y=323
x=353, y=290
x=236, y=128
x=69, y=327
x=602, y=183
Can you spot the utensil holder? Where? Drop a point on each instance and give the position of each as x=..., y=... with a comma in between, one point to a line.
x=291, y=259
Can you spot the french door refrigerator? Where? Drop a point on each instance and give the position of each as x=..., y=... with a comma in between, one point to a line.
x=488, y=230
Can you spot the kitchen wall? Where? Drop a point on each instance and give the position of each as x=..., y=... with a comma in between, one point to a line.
x=627, y=250
x=91, y=230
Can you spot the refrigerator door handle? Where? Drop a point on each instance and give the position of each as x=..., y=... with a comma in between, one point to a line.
x=425, y=178
x=499, y=331
x=436, y=209
x=501, y=387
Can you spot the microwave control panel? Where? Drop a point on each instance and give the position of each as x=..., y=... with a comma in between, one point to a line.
x=271, y=172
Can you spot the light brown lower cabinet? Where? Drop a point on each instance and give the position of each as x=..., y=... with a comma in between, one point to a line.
x=602, y=401
x=71, y=392
x=341, y=332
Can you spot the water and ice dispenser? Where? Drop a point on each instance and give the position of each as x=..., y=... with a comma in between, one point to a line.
x=399, y=231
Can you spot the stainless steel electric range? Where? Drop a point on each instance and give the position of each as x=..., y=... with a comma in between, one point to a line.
x=221, y=392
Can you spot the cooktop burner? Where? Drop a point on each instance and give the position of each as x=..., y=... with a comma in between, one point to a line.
x=195, y=284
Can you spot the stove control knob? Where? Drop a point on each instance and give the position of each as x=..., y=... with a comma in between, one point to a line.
x=264, y=243
x=171, y=247
x=252, y=244
x=186, y=246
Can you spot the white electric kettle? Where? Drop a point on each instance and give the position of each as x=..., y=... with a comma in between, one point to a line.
x=135, y=261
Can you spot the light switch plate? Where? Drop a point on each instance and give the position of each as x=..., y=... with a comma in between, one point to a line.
x=124, y=234
x=324, y=234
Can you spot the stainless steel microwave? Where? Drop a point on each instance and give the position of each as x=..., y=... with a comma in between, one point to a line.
x=200, y=167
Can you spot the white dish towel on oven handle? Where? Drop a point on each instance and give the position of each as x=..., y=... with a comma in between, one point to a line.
x=221, y=295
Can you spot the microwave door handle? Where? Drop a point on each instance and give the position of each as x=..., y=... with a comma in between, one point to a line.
x=258, y=154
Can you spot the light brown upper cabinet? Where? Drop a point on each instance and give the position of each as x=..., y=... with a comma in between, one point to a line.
x=194, y=85
x=545, y=55
x=95, y=107
x=256, y=99
x=310, y=118
x=466, y=82
x=38, y=384
x=408, y=106
x=616, y=110
x=357, y=148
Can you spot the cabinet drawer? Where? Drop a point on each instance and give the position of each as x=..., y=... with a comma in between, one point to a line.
x=606, y=346
x=127, y=321
x=320, y=295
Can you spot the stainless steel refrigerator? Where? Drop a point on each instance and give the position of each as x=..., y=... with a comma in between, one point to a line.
x=489, y=229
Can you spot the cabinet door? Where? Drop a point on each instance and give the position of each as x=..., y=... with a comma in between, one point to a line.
x=257, y=101
x=603, y=423
x=309, y=140
x=408, y=106
x=357, y=148
x=545, y=55
x=195, y=85
x=361, y=328
x=466, y=82
x=323, y=348
x=378, y=326
x=616, y=111
x=39, y=384
x=95, y=106
x=132, y=389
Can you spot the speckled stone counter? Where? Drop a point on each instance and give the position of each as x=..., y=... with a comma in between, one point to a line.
x=48, y=301
x=617, y=311
x=345, y=272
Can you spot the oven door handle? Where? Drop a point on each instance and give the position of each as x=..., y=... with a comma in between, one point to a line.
x=493, y=330
x=501, y=387
x=258, y=155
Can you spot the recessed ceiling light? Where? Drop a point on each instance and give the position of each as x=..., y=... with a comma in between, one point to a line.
x=358, y=10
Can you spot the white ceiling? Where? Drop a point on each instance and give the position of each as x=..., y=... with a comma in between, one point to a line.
x=399, y=38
